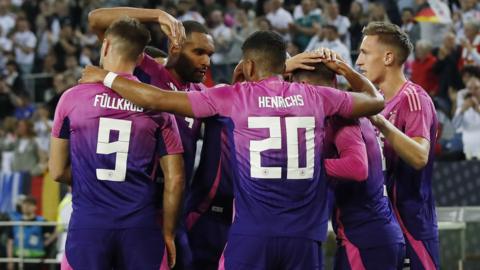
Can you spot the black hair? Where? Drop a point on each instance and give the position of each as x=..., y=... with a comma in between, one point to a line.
x=268, y=49
x=194, y=26
x=321, y=73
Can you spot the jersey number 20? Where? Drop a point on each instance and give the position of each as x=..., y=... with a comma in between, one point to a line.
x=292, y=125
x=120, y=147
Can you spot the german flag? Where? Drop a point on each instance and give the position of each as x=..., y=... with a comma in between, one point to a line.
x=436, y=12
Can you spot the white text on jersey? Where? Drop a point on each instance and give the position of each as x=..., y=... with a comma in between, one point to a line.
x=108, y=102
x=280, y=102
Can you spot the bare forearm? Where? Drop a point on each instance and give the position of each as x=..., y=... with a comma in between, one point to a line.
x=150, y=97
x=66, y=176
x=172, y=202
x=309, y=31
x=358, y=82
x=369, y=101
x=100, y=19
x=409, y=150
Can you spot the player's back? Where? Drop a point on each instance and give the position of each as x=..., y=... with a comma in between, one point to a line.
x=114, y=148
x=277, y=130
x=151, y=72
x=362, y=206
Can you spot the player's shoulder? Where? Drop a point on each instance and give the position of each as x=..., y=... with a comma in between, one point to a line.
x=150, y=65
x=76, y=92
x=415, y=98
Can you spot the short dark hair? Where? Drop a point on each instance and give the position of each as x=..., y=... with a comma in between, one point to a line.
x=194, y=27
x=321, y=74
x=391, y=35
x=132, y=35
x=331, y=27
x=409, y=9
x=30, y=200
x=268, y=48
x=474, y=71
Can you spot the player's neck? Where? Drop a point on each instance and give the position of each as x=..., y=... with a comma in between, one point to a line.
x=392, y=83
x=120, y=66
x=174, y=74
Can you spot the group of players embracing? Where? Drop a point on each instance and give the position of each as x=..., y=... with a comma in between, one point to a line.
x=280, y=157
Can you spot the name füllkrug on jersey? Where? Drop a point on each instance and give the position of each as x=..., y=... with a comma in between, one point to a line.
x=280, y=102
x=108, y=102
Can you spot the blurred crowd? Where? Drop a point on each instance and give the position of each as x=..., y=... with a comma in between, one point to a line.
x=45, y=43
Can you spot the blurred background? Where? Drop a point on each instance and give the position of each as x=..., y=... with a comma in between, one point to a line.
x=44, y=44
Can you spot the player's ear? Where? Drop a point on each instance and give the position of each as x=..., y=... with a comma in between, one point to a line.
x=106, y=46
x=140, y=59
x=248, y=69
x=389, y=58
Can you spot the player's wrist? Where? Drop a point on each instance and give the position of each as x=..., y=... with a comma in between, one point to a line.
x=109, y=78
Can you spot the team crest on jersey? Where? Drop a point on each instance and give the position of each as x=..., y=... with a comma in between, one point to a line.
x=392, y=116
x=173, y=87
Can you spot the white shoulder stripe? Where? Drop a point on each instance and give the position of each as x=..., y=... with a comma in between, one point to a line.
x=413, y=99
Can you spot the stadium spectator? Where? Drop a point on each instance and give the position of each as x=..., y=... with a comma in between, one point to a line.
x=42, y=128
x=187, y=11
x=67, y=44
x=24, y=42
x=448, y=55
x=7, y=19
x=53, y=95
x=377, y=13
x=243, y=28
x=6, y=102
x=34, y=236
x=470, y=45
x=422, y=67
x=24, y=108
x=5, y=241
x=45, y=37
x=332, y=41
x=358, y=20
x=333, y=17
x=222, y=67
x=13, y=77
x=299, y=12
x=27, y=156
x=470, y=10
x=279, y=17
x=305, y=26
x=7, y=137
x=467, y=117
x=410, y=26
x=263, y=24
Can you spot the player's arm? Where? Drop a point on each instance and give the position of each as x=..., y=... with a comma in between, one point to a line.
x=413, y=150
x=143, y=95
x=59, y=162
x=352, y=163
x=367, y=101
x=172, y=167
x=100, y=19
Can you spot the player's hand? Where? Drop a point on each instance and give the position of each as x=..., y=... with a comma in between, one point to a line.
x=333, y=60
x=173, y=29
x=92, y=74
x=328, y=55
x=377, y=120
x=171, y=250
x=302, y=61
